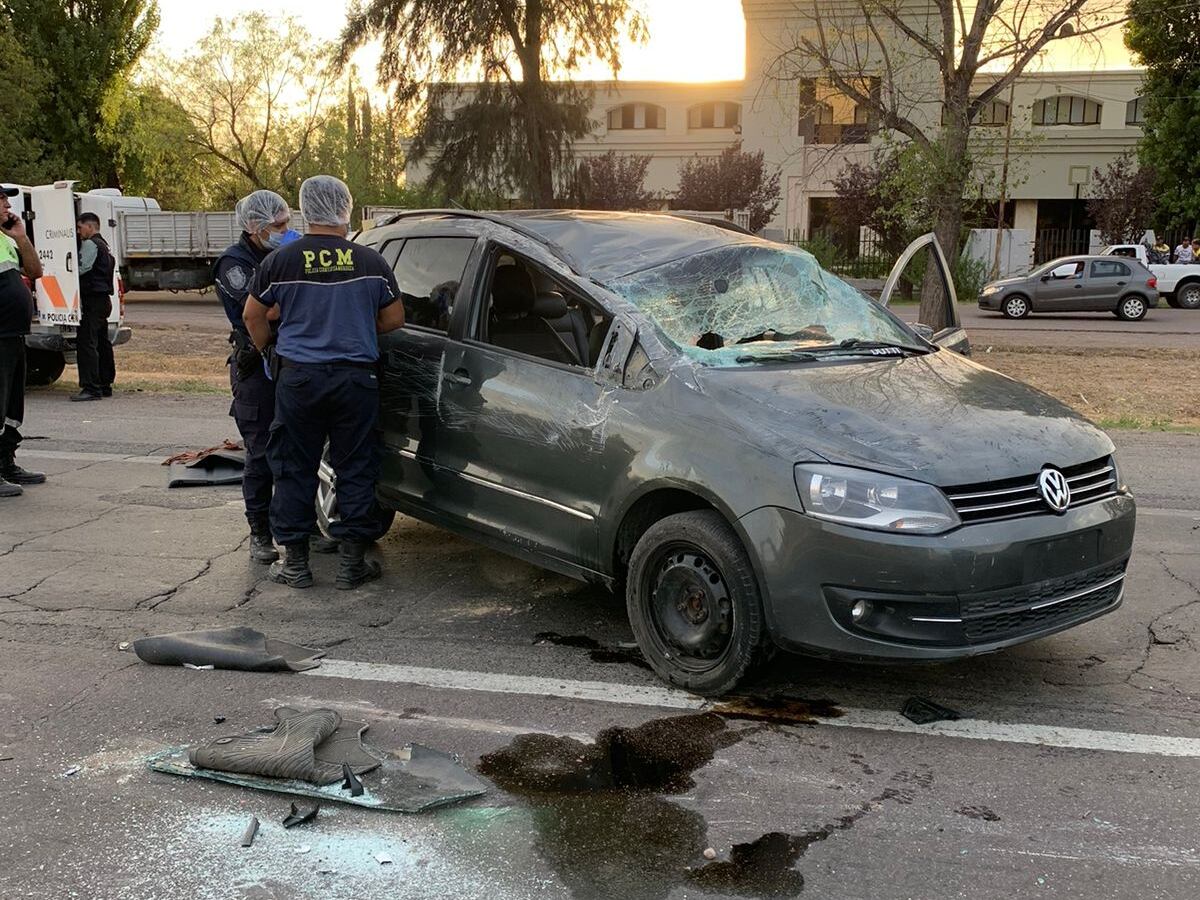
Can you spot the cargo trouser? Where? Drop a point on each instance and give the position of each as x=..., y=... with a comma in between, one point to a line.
x=315, y=403
x=253, y=409
x=93, y=348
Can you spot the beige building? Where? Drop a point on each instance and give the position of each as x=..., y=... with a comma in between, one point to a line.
x=1064, y=125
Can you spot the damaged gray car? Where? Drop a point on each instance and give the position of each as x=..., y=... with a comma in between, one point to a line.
x=755, y=453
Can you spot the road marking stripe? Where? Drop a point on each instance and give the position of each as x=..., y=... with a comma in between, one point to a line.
x=668, y=698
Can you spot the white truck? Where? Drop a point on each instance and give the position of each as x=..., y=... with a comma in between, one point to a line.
x=50, y=212
x=1179, y=283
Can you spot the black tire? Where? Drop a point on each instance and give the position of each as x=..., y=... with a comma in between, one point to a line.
x=1188, y=296
x=707, y=632
x=1172, y=301
x=1131, y=308
x=1016, y=306
x=327, y=504
x=43, y=367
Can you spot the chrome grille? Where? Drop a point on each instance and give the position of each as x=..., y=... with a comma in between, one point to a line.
x=1007, y=499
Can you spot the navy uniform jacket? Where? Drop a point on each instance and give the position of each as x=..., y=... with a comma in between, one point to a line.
x=233, y=273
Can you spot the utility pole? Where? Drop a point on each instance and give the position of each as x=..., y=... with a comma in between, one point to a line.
x=1012, y=88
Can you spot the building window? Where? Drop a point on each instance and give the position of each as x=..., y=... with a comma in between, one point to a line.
x=715, y=115
x=991, y=114
x=827, y=116
x=1066, y=110
x=1135, y=111
x=636, y=116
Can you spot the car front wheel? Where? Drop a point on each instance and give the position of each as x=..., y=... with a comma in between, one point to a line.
x=1188, y=296
x=327, y=505
x=1131, y=309
x=694, y=603
x=1015, y=307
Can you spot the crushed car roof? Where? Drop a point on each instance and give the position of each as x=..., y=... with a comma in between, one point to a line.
x=608, y=245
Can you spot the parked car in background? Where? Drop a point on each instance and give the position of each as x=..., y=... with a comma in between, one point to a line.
x=1121, y=286
x=1178, y=283
x=748, y=449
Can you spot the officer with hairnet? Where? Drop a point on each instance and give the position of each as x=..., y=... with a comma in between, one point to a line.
x=263, y=218
x=332, y=298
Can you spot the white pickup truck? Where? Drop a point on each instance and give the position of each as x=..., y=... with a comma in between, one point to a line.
x=1178, y=283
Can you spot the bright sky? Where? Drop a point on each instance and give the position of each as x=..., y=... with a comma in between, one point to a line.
x=690, y=40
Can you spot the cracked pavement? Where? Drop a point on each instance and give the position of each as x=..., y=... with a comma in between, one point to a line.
x=103, y=553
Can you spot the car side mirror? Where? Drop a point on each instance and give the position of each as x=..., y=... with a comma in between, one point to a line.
x=923, y=331
x=1045, y=278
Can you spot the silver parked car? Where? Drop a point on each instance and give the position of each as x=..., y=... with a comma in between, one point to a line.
x=1124, y=287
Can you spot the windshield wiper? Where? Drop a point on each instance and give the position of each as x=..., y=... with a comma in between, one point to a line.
x=873, y=348
x=776, y=356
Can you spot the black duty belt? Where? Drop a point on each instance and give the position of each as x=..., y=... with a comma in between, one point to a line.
x=285, y=363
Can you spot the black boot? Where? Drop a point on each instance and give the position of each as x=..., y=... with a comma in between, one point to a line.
x=293, y=569
x=355, y=570
x=262, y=548
x=14, y=474
x=8, y=489
x=321, y=544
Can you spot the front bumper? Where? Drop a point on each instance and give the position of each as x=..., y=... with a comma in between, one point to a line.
x=990, y=301
x=974, y=590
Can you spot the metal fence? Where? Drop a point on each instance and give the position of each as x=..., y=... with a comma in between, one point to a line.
x=845, y=253
x=1051, y=243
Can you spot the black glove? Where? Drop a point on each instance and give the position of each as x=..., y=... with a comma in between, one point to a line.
x=248, y=361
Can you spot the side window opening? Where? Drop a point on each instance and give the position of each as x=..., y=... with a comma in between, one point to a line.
x=428, y=271
x=528, y=311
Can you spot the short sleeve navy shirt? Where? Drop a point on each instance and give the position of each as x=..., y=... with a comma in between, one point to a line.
x=329, y=292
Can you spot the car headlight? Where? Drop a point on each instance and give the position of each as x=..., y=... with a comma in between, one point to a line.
x=989, y=289
x=873, y=500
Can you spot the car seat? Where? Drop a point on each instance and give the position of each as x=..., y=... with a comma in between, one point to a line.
x=519, y=317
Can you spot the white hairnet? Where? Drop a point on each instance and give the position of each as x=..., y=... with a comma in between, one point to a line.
x=261, y=209
x=325, y=200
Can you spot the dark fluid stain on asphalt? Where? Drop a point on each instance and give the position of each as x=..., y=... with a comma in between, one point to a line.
x=599, y=653
x=604, y=826
x=978, y=812
x=778, y=710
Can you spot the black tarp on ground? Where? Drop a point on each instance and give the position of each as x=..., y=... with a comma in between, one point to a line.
x=227, y=648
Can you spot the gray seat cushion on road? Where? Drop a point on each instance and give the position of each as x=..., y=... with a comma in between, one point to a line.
x=414, y=780
x=305, y=745
x=217, y=468
x=227, y=648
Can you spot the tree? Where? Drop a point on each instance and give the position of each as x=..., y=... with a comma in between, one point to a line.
x=737, y=179
x=255, y=91
x=898, y=67
x=613, y=181
x=1163, y=36
x=514, y=128
x=28, y=157
x=155, y=150
x=84, y=49
x=1124, y=200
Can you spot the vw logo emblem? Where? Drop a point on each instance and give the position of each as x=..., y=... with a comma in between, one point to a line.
x=1054, y=489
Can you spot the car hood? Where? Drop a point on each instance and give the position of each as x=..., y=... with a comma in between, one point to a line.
x=939, y=418
x=1006, y=282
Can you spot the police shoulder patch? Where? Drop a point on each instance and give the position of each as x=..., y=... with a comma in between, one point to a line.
x=237, y=277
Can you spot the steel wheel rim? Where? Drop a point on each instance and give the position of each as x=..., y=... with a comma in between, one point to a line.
x=689, y=605
x=327, y=492
x=1191, y=295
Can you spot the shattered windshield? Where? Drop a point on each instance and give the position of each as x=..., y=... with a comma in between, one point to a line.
x=733, y=305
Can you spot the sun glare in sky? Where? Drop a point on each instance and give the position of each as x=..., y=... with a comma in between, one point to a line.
x=690, y=40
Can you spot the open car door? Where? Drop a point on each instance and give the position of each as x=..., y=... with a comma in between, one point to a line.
x=949, y=332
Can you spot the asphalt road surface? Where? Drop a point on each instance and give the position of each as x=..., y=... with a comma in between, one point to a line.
x=1163, y=328
x=1073, y=773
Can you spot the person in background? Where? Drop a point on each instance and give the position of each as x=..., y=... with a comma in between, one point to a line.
x=263, y=218
x=332, y=299
x=1183, y=253
x=1195, y=258
x=16, y=315
x=93, y=345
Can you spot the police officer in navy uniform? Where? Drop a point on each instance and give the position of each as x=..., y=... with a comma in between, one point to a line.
x=263, y=218
x=331, y=298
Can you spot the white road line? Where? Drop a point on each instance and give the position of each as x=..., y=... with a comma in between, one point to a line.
x=496, y=683
x=668, y=698
x=80, y=456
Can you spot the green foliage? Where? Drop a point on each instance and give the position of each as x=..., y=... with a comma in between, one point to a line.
x=828, y=254
x=514, y=130
x=28, y=156
x=970, y=275
x=81, y=51
x=612, y=181
x=154, y=147
x=1163, y=36
x=736, y=179
x=1124, y=201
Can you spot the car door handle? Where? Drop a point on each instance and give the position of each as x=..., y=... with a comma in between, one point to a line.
x=458, y=376
x=1120, y=284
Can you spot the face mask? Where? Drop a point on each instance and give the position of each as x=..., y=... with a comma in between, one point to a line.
x=274, y=240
